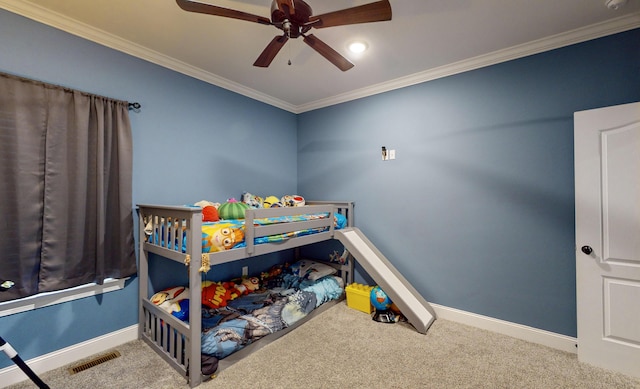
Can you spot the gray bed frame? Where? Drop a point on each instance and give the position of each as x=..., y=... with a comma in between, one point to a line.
x=177, y=342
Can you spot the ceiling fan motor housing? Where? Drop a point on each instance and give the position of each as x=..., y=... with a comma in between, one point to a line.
x=291, y=21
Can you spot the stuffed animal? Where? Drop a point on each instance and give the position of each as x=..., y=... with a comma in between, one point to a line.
x=252, y=201
x=273, y=277
x=247, y=285
x=271, y=202
x=232, y=209
x=292, y=201
x=216, y=294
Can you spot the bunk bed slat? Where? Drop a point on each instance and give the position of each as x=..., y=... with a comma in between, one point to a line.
x=164, y=252
x=165, y=316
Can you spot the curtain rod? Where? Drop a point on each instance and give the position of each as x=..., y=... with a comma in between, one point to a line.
x=135, y=107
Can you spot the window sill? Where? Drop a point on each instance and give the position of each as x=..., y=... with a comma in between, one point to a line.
x=61, y=296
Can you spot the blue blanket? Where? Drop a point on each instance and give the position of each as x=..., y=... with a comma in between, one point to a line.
x=251, y=317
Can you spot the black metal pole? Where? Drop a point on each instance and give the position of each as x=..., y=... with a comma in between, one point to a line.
x=13, y=355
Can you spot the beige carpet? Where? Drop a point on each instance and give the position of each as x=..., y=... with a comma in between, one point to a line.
x=344, y=348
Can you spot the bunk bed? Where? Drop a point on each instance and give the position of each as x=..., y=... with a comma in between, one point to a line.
x=175, y=233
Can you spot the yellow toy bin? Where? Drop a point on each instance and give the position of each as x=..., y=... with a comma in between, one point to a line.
x=358, y=297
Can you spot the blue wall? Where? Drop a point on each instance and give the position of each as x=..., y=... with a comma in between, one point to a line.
x=477, y=211
x=478, y=205
x=192, y=141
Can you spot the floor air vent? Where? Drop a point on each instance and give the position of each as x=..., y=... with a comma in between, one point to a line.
x=94, y=362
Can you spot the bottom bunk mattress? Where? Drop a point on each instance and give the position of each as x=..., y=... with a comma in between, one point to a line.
x=235, y=317
x=251, y=317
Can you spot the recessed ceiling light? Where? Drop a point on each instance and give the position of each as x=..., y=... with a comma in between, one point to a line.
x=357, y=47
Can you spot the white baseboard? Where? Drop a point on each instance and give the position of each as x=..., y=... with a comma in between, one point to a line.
x=529, y=334
x=12, y=375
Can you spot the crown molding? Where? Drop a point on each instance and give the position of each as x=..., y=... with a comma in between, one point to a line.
x=83, y=30
x=584, y=34
x=93, y=34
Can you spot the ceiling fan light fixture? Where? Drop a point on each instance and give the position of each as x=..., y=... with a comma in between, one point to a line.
x=358, y=47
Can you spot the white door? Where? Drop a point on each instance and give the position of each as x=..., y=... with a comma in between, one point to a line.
x=607, y=164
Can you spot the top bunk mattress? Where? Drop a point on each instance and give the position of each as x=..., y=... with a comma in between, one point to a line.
x=230, y=234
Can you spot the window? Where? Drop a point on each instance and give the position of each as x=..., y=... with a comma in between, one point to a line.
x=65, y=169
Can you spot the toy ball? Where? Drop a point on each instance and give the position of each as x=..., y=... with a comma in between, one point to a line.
x=379, y=299
x=209, y=210
x=210, y=214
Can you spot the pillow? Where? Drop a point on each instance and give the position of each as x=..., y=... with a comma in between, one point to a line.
x=221, y=236
x=312, y=270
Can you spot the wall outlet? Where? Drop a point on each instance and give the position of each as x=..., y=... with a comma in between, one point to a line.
x=245, y=271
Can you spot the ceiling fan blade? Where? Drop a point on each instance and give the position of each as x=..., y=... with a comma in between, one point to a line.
x=270, y=52
x=203, y=8
x=326, y=51
x=367, y=13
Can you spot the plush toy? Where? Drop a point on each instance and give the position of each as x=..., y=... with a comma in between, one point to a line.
x=232, y=209
x=271, y=202
x=292, y=201
x=209, y=210
x=252, y=201
x=273, y=277
x=221, y=236
x=216, y=294
x=247, y=285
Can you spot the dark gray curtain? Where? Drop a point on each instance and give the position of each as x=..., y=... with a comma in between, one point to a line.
x=65, y=188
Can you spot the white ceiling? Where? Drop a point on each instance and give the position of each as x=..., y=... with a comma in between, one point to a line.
x=426, y=39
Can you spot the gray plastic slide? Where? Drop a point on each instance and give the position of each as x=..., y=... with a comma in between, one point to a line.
x=412, y=305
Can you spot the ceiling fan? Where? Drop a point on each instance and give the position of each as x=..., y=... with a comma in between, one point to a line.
x=295, y=18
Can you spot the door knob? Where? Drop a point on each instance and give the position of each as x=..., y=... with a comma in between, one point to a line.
x=587, y=250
